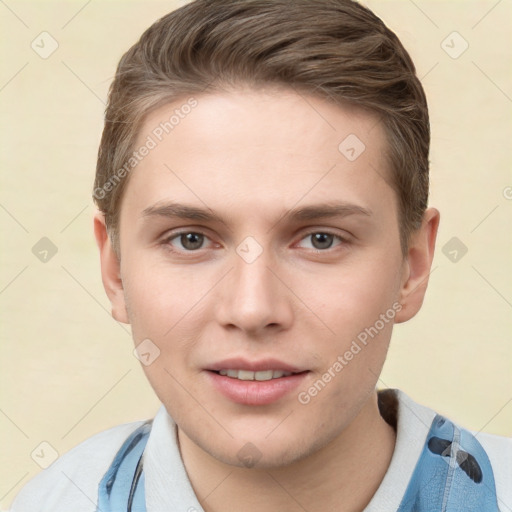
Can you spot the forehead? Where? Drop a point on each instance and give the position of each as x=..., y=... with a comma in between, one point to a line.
x=264, y=150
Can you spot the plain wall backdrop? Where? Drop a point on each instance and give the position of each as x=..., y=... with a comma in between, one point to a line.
x=68, y=369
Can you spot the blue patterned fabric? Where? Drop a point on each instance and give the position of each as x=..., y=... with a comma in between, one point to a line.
x=122, y=487
x=453, y=474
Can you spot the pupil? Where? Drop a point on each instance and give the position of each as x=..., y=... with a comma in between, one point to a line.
x=322, y=240
x=192, y=240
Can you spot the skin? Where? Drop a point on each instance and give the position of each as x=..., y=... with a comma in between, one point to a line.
x=251, y=157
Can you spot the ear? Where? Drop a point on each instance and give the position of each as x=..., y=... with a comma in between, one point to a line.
x=110, y=270
x=417, y=266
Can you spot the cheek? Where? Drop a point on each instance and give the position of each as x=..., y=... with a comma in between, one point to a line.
x=359, y=307
x=166, y=308
x=356, y=297
x=163, y=298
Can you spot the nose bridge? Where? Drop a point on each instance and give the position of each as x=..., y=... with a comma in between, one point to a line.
x=253, y=277
x=254, y=298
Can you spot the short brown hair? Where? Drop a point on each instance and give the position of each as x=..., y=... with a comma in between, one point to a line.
x=334, y=49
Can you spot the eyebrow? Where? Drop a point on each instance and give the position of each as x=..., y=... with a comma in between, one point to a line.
x=175, y=210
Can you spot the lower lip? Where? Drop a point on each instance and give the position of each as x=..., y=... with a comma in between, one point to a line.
x=254, y=392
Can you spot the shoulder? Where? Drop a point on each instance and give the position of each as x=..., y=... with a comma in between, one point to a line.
x=499, y=451
x=413, y=423
x=71, y=482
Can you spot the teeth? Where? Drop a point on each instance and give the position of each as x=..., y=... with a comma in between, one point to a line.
x=263, y=375
x=245, y=375
x=260, y=375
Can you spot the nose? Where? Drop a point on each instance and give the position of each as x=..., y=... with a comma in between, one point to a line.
x=253, y=297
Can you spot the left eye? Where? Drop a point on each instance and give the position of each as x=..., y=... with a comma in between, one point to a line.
x=320, y=240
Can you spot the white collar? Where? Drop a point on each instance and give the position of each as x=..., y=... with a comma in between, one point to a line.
x=413, y=424
x=167, y=485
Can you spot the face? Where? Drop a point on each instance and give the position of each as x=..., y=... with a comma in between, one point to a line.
x=260, y=255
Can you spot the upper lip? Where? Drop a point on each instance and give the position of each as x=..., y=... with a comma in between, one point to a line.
x=254, y=366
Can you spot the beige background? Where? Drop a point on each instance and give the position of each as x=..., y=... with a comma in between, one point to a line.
x=67, y=368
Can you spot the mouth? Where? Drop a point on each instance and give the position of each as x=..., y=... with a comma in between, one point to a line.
x=254, y=383
x=260, y=376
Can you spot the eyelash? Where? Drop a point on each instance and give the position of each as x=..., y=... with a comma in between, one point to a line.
x=167, y=241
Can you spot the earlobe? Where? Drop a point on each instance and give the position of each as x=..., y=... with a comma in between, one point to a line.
x=417, y=266
x=110, y=270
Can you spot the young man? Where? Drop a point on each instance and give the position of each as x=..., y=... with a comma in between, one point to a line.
x=262, y=185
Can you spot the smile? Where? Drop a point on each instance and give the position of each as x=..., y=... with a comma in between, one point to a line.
x=261, y=375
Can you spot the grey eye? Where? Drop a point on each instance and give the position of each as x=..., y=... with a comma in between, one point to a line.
x=191, y=241
x=322, y=240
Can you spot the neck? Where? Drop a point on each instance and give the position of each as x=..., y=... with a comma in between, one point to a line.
x=344, y=475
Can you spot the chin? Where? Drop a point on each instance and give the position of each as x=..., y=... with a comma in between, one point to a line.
x=260, y=451
x=252, y=455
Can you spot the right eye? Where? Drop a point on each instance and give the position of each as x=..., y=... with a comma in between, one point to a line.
x=188, y=240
